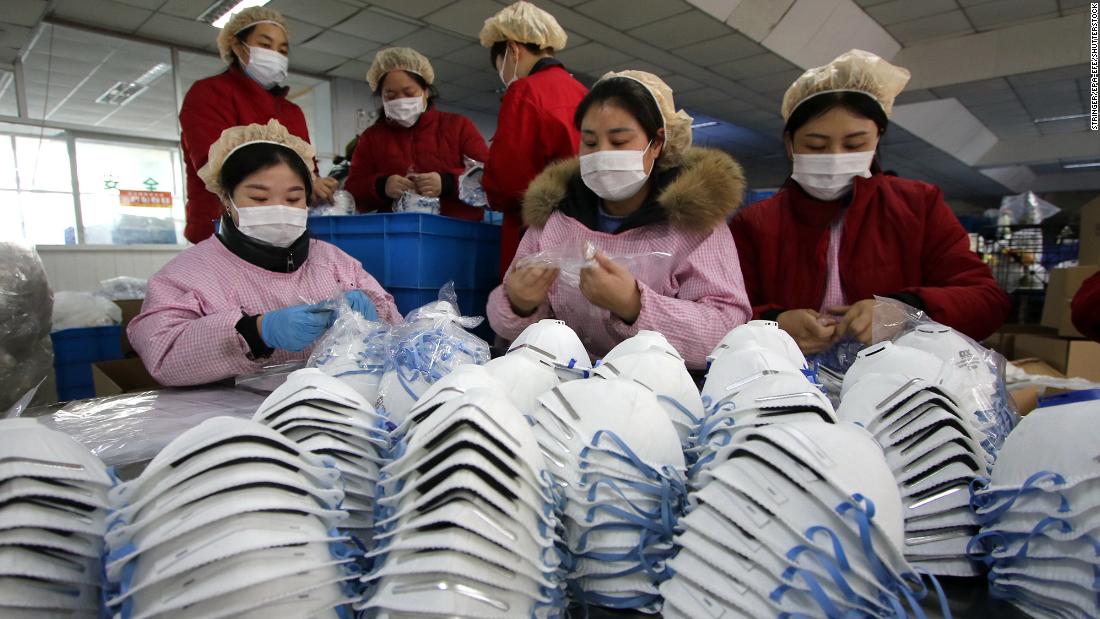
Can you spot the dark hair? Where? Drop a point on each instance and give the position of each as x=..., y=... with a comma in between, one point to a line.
x=260, y=156
x=628, y=95
x=500, y=47
x=242, y=36
x=855, y=102
x=433, y=94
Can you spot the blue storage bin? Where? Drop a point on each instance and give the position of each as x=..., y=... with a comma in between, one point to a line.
x=413, y=255
x=74, y=352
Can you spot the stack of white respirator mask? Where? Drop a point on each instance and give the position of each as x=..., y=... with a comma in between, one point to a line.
x=466, y=521
x=53, y=505
x=555, y=342
x=329, y=418
x=1040, y=511
x=230, y=519
x=617, y=461
x=800, y=519
x=931, y=443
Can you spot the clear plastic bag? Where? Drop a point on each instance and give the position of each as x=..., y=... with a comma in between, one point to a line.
x=571, y=259
x=355, y=350
x=75, y=310
x=267, y=378
x=1025, y=209
x=432, y=341
x=343, y=203
x=26, y=309
x=412, y=202
x=470, y=190
x=122, y=288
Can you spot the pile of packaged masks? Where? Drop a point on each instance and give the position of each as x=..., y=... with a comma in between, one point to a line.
x=412, y=202
x=329, y=419
x=931, y=443
x=802, y=520
x=649, y=359
x=467, y=526
x=53, y=500
x=620, y=471
x=430, y=343
x=757, y=377
x=231, y=519
x=1040, y=511
x=355, y=350
x=470, y=190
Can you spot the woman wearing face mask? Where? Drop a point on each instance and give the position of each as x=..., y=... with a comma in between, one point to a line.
x=638, y=187
x=261, y=291
x=255, y=46
x=535, y=123
x=413, y=146
x=840, y=232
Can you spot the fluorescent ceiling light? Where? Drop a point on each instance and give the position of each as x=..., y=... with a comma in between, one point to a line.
x=1052, y=119
x=219, y=13
x=1074, y=166
x=704, y=125
x=123, y=92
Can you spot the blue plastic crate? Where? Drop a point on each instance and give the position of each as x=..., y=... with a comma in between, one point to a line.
x=74, y=352
x=415, y=251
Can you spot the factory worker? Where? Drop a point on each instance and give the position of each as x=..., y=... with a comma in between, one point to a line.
x=840, y=231
x=1086, y=308
x=255, y=44
x=413, y=146
x=638, y=187
x=261, y=291
x=535, y=124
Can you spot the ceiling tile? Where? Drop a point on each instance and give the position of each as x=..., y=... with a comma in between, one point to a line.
x=465, y=18
x=25, y=13
x=590, y=56
x=679, y=83
x=189, y=9
x=722, y=49
x=431, y=42
x=451, y=71
x=162, y=27
x=990, y=15
x=915, y=96
x=152, y=5
x=474, y=56
x=773, y=82
x=301, y=31
x=373, y=25
x=572, y=39
x=639, y=12
x=339, y=44
x=352, y=69
x=752, y=66
x=889, y=13
x=412, y=8
x=102, y=13
x=681, y=30
x=934, y=27
x=324, y=13
x=313, y=61
x=1079, y=71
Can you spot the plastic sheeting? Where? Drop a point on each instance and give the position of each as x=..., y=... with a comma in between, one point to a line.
x=26, y=307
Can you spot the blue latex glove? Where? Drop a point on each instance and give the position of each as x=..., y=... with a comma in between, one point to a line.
x=295, y=328
x=361, y=303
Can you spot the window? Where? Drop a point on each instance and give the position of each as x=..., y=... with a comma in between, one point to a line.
x=36, y=199
x=8, y=105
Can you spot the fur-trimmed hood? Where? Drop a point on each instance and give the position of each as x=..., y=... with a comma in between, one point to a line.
x=707, y=190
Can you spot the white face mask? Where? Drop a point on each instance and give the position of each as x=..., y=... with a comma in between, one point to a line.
x=828, y=177
x=615, y=174
x=406, y=111
x=266, y=66
x=277, y=225
x=515, y=70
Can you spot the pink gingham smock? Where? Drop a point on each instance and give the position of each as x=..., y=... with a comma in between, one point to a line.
x=186, y=333
x=694, y=298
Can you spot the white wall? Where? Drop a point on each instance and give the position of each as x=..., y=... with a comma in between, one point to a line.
x=73, y=267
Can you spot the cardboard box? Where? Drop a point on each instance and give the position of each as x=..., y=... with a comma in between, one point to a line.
x=1063, y=284
x=1090, y=234
x=124, y=376
x=130, y=309
x=1004, y=340
x=1074, y=358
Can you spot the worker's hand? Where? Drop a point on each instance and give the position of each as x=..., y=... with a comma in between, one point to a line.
x=323, y=188
x=429, y=184
x=812, y=332
x=361, y=303
x=856, y=320
x=397, y=185
x=612, y=287
x=295, y=328
x=527, y=288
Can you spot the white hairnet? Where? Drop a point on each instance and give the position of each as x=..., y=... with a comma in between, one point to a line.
x=234, y=138
x=245, y=19
x=677, y=124
x=398, y=59
x=852, y=71
x=524, y=22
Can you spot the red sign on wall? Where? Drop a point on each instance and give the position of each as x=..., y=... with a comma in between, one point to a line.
x=145, y=199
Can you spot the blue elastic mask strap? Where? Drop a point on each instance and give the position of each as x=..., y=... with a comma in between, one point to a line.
x=680, y=407
x=830, y=566
x=980, y=499
x=628, y=456
x=945, y=608
x=1064, y=526
x=815, y=590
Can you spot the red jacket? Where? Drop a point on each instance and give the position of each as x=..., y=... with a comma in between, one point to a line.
x=900, y=238
x=436, y=143
x=211, y=106
x=534, y=129
x=1086, y=308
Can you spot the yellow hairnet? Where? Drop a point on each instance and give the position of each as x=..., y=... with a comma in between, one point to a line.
x=677, y=124
x=248, y=17
x=234, y=138
x=852, y=71
x=524, y=22
x=398, y=59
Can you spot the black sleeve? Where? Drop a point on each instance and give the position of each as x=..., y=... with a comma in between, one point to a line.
x=450, y=185
x=246, y=326
x=772, y=315
x=909, y=298
x=380, y=186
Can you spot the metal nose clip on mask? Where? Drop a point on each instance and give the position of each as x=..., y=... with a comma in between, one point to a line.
x=53, y=509
x=1040, y=514
x=554, y=340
